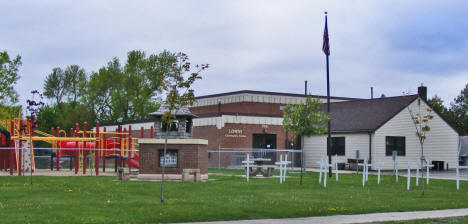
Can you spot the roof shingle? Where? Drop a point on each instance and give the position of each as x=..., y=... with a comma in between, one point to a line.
x=365, y=115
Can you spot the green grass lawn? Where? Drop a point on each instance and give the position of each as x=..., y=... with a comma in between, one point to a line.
x=228, y=197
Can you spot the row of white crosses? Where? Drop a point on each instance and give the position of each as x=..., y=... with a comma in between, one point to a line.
x=365, y=170
x=282, y=165
x=409, y=166
x=324, y=165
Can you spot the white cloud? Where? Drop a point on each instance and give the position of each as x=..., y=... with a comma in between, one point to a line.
x=260, y=45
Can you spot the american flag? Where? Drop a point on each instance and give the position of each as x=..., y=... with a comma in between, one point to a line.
x=326, y=44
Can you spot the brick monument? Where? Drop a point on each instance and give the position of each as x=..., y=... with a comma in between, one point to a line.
x=186, y=157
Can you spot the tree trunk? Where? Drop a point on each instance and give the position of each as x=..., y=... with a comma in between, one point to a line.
x=161, y=190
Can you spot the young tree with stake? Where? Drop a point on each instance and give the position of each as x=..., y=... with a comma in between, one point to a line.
x=421, y=119
x=177, y=83
x=305, y=120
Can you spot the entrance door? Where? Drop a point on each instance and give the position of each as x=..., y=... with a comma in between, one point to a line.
x=262, y=142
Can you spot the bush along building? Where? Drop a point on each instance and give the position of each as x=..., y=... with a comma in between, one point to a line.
x=376, y=127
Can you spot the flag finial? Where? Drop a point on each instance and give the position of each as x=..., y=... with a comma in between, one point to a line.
x=326, y=12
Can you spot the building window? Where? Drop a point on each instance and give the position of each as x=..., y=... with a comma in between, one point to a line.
x=171, y=158
x=338, y=146
x=395, y=143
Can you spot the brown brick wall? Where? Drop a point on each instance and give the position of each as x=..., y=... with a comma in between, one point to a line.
x=248, y=130
x=209, y=133
x=189, y=156
x=270, y=109
x=218, y=136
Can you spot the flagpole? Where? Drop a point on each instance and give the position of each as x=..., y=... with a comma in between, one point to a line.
x=328, y=109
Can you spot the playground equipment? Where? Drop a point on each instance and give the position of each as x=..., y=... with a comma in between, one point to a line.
x=18, y=137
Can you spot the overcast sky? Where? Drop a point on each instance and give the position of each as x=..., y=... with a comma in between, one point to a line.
x=393, y=46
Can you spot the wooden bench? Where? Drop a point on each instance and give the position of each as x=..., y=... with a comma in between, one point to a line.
x=191, y=175
x=352, y=163
x=265, y=170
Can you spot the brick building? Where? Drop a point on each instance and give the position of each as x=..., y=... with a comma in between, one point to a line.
x=244, y=120
x=241, y=120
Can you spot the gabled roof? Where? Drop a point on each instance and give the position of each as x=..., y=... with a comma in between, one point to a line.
x=183, y=111
x=365, y=115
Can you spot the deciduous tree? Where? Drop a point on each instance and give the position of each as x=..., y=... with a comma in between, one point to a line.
x=8, y=78
x=305, y=120
x=74, y=83
x=421, y=116
x=128, y=92
x=177, y=86
x=459, y=111
x=54, y=85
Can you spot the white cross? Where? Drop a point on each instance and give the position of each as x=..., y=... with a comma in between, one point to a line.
x=247, y=162
x=324, y=165
x=282, y=164
x=410, y=166
x=365, y=171
x=335, y=164
x=378, y=165
x=320, y=170
x=458, y=174
x=427, y=170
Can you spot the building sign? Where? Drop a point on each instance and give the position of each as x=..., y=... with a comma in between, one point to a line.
x=235, y=133
x=171, y=158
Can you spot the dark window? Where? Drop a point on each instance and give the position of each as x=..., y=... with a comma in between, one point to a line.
x=171, y=158
x=175, y=126
x=395, y=143
x=188, y=126
x=338, y=146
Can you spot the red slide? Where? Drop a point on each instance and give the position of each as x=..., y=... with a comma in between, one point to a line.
x=136, y=156
x=133, y=163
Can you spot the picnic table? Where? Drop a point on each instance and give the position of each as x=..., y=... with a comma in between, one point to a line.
x=260, y=167
x=353, y=163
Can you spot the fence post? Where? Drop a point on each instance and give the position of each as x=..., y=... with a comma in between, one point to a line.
x=219, y=158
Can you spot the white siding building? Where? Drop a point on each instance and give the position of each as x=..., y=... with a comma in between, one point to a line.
x=376, y=127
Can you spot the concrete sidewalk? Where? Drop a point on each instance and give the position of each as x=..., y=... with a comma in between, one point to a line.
x=362, y=218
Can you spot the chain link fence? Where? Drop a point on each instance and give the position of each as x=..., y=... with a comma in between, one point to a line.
x=232, y=158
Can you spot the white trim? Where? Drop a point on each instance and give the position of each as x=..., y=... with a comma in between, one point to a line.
x=188, y=141
x=135, y=126
x=222, y=120
x=256, y=98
